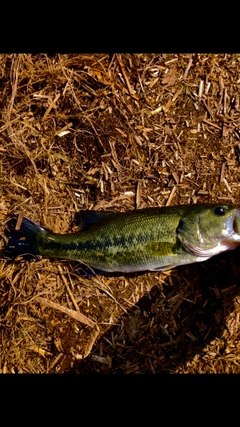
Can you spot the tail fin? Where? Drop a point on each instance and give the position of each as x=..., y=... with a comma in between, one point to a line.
x=23, y=241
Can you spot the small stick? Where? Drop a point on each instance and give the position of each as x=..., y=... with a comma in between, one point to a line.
x=200, y=90
x=225, y=101
x=211, y=124
x=130, y=90
x=207, y=108
x=138, y=194
x=19, y=222
x=67, y=286
x=227, y=185
x=51, y=106
x=188, y=68
x=222, y=172
x=171, y=196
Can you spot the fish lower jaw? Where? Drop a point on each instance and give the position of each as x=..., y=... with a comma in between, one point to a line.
x=234, y=238
x=205, y=253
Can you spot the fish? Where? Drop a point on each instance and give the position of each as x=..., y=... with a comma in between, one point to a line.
x=149, y=239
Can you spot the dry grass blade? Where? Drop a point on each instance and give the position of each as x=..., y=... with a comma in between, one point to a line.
x=72, y=313
x=68, y=288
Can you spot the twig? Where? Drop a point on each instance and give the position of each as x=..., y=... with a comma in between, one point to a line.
x=51, y=106
x=200, y=90
x=225, y=101
x=222, y=172
x=171, y=196
x=55, y=361
x=138, y=194
x=67, y=286
x=211, y=124
x=227, y=185
x=188, y=68
x=130, y=90
x=207, y=108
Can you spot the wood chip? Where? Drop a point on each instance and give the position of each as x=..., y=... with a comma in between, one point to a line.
x=200, y=90
x=223, y=171
x=19, y=222
x=169, y=201
x=157, y=110
x=138, y=195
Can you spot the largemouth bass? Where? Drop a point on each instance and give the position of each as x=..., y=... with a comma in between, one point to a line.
x=151, y=239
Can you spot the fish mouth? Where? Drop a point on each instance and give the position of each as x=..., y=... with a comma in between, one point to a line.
x=236, y=223
x=232, y=228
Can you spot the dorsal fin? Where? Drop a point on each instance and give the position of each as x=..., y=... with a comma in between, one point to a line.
x=85, y=218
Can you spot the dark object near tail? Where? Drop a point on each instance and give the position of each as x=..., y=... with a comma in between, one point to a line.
x=22, y=242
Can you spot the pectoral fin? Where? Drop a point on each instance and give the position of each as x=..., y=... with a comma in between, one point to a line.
x=161, y=249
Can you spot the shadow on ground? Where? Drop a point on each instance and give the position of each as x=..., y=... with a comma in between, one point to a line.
x=170, y=327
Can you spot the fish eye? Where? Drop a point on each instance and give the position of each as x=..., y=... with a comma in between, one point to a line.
x=220, y=211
